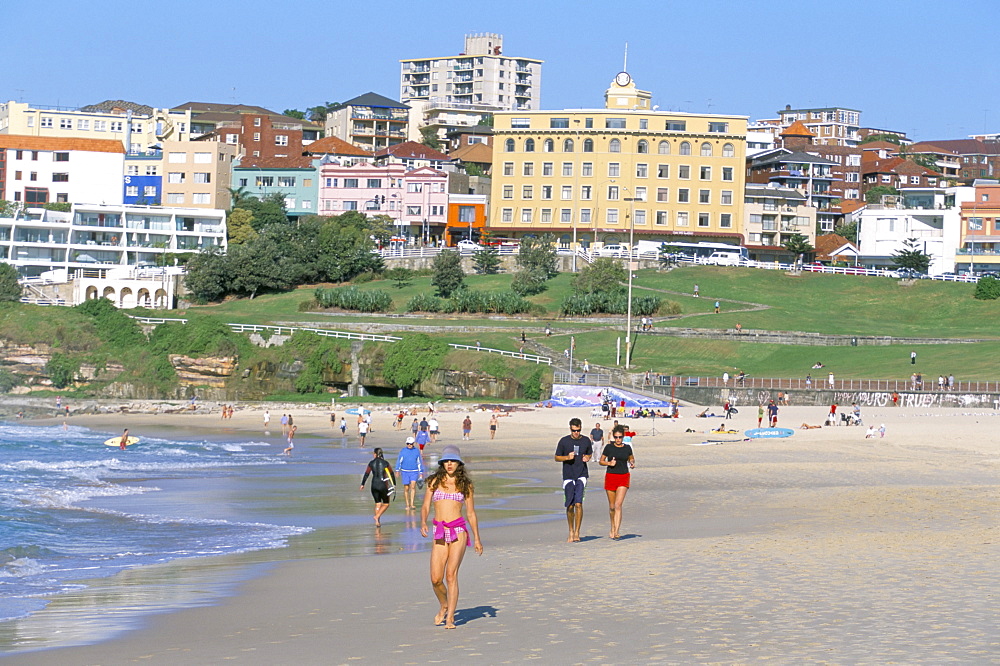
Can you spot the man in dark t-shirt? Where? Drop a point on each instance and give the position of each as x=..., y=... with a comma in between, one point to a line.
x=574, y=452
x=597, y=437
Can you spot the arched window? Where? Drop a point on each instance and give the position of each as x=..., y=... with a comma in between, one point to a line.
x=728, y=150
x=706, y=149
x=642, y=146
x=615, y=146
x=588, y=145
x=568, y=146
x=508, y=146
x=548, y=146
x=529, y=145
x=664, y=148
x=685, y=148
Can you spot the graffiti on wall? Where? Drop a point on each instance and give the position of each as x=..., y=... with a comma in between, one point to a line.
x=883, y=399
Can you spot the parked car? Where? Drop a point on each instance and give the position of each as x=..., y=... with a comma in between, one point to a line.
x=613, y=251
x=468, y=246
x=909, y=274
x=724, y=259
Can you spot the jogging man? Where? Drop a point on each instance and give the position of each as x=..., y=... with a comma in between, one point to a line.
x=574, y=451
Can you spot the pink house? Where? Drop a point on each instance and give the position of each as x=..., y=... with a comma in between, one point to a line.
x=416, y=199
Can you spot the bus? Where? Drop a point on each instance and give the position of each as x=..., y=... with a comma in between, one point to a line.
x=704, y=250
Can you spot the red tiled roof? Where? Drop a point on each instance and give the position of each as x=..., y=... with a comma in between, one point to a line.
x=332, y=145
x=413, y=150
x=476, y=152
x=22, y=142
x=798, y=128
x=828, y=243
x=274, y=162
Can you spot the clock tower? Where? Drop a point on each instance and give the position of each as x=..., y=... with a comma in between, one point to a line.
x=623, y=95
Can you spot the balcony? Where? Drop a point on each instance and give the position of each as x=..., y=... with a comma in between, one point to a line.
x=369, y=115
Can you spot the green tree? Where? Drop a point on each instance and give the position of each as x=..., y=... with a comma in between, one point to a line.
x=604, y=275
x=911, y=256
x=538, y=253
x=527, y=282
x=239, y=226
x=848, y=231
x=448, y=274
x=261, y=265
x=345, y=247
x=473, y=169
x=10, y=208
x=207, y=277
x=413, y=359
x=62, y=369
x=987, y=288
x=60, y=206
x=400, y=276
x=10, y=288
x=875, y=194
x=318, y=113
x=891, y=138
x=429, y=137
x=237, y=196
x=798, y=245
x=267, y=211
x=486, y=120
x=294, y=113
x=487, y=260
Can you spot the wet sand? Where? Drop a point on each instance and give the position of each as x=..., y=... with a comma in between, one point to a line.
x=822, y=547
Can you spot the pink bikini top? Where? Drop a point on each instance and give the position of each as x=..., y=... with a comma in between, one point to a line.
x=442, y=495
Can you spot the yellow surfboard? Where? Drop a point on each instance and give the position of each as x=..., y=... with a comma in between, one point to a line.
x=117, y=441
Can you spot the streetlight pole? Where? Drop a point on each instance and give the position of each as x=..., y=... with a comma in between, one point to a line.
x=631, y=254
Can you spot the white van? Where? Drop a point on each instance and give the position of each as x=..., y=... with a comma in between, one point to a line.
x=724, y=259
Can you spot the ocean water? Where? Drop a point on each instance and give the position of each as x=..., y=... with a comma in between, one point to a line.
x=73, y=509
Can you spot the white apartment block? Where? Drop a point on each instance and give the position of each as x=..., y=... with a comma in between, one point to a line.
x=106, y=236
x=137, y=126
x=932, y=216
x=834, y=126
x=35, y=170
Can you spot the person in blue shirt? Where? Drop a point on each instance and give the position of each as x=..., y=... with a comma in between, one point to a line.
x=410, y=466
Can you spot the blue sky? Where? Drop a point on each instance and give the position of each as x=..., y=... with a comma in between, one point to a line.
x=930, y=69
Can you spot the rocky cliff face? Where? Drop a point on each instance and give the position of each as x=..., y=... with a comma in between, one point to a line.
x=209, y=371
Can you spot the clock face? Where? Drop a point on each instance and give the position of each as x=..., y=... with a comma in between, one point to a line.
x=623, y=79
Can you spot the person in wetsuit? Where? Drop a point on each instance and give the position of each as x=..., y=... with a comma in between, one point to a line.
x=383, y=483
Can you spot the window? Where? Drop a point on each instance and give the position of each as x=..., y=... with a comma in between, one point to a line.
x=587, y=169
x=663, y=148
x=685, y=148
x=177, y=158
x=614, y=123
x=567, y=192
x=60, y=178
x=643, y=123
x=683, y=195
x=46, y=121
x=975, y=224
x=704, y=196
x=611, y=216
x=281, y=139
x=566, y=215
x=527, y=192
x=256, y=121
x=508, y=168
x=727, y=174
x=559, y=123
x=546, y=216
x=353, y=182
x=682, y=219
x=567, y=169
x=520, y=123
x=568, y=146
x=663, y=194
x=726, y=220
x=614, y=169
x=852, y=177
x=718, y=127
x=914, y=180
x=546, y=191
x=676, y=126
x=548, y=146
x=706, y=149
x=151, y=169
x=149, y=191
x=886, y=178
x=413, y=210
x=507, y=215
x=588, y=123
x=131, y=190
x=588, y=145
x=307, y=204
x=728, y=150
x=33, y=175
x=663, y=217
x=175, y=177
x=615, y=146
x=529, y=145
x=705, y=173
x=268, y=181
x=65, y=123
x=640, y=193
x=508, y=146
x=529, y=169
x=612, y=192
x=526, y=215
x=116, y=126
x=202, y=178
x=256, y=136
x=60, y=157
x=663, y=171
x=372, y=183
x=203, y=198
x=726, y=198
x=203, y=158
x=508, y=191
x=641, y=170
x=132, y=170
x=586, y=192
x=585, y=217
x=702, y=219
x=684, y=172
x=640, y=217
x=854, y=160
x=546, y=168
x=353, y=205
x=642, y=147
x=232, y=139
x=175, y=197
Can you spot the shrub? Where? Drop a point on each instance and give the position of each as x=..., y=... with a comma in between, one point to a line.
x=113, y=326
x=62, y=370
x=448, y=274
x=351, y=298
x=10, y=288
x=581, y=305
x=362, y=278
x=488, y=302
x=413, y=359
x=533, y=385
x=424, y=302
x=529, y=282
x=8, y=380
x=319, y=355
x=495, y=366
x=987, y=289
x=669, y=308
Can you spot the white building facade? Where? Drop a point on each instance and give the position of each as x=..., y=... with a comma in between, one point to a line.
x=36, y=170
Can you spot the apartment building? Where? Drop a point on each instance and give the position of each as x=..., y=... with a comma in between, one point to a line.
x=846, y=161
x=838, y=126
x=592, y=175
x=299, y=187
x=975, y=159
x=979, y=249
x=897, y=173
x=35, y=170
x=197, y=173
x=794, y=169
x=454, y=91
x=136, y=126
x=95, y=235
x=370, y=122
x=227, y=120
x=772, y=216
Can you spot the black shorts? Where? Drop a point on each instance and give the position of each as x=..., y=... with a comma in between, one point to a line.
x=380, y=495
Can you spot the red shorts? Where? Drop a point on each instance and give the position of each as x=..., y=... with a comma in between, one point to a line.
x=613, y=482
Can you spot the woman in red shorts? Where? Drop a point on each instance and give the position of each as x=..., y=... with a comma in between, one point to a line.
x=617, y=457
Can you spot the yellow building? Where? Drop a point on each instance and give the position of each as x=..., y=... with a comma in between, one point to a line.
x=589, y=174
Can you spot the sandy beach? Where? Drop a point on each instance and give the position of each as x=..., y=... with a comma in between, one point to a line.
x=824, y=547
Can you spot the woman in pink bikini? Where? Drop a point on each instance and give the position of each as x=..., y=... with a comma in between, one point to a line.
x=448, y=489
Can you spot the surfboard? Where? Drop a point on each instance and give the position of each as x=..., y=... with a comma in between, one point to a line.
x=354, y=411
x=769, y=433
x=116, y=441
x=711, y=442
